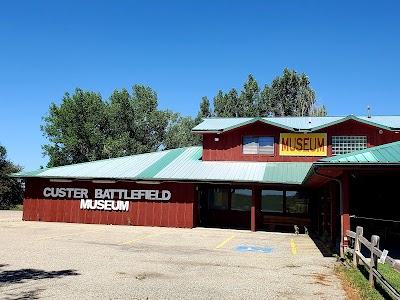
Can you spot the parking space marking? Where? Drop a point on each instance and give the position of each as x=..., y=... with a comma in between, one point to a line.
x=68, y=234
x=254, y=249
x=224, y=242
x=293, y=246
x=139, y=239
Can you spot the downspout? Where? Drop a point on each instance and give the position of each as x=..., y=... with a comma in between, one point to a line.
x=341, y=207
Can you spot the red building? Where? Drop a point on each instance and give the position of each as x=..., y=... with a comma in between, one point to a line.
x=255, y=173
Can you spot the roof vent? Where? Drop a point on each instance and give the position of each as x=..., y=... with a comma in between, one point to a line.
x=369, y=111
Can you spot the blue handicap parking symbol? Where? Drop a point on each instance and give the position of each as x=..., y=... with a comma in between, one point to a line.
x=253, y=249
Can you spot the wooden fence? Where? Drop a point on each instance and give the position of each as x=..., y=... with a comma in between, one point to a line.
x=358, y=239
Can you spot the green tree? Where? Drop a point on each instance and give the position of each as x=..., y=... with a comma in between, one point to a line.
x=121, y=124
x=135, y=123
x=75, y=129
x=249, y=98
x=319, y=111
x=10, y=189
x=220, y=105
x=291, y=95
x=205, y=110
x=263, y=108
x=86, y=128
x=234, y=107
x=179, y=132
x=288, y=95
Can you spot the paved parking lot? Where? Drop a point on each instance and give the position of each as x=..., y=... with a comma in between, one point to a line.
x=78, y=261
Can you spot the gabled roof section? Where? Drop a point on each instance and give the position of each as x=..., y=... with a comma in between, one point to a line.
x=391, y=122
x=387, y=153
x=127, y=167
x=218, y=125
x=221, y=124
x=182, y=164
x=295, y=124
x=385, y=122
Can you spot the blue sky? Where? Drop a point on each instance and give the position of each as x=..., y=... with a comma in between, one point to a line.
x=188, y=49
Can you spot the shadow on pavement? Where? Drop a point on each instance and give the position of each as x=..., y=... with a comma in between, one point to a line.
x=325, y=251
x=31, y=295
x=23, y=275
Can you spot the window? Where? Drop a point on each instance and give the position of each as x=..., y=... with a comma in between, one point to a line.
x=290, y=202
x=218, y=199
x=296, y=202
x=272, y=201
x=241, y=199
x=346, y=144
x=258, y=145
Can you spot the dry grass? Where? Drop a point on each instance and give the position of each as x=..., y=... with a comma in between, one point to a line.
x=352, y=292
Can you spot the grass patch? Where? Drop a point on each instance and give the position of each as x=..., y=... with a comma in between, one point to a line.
x=356, y=284
x=391, y=275
x=17, y=207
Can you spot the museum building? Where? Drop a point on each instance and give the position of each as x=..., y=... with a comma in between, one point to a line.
x=325, y=174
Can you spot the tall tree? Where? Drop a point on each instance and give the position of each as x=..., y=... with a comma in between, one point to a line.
x=291, y=95
x=75, y=129
x=121, y=124
x=318, y=111
x=288, y=95
x=10, y=189
x=221, y=105
x=263, y=108
x=234, y=107
x=135, y=123
x=179, y=132
x=86, y=128
x=205, y=110
x=249, y=98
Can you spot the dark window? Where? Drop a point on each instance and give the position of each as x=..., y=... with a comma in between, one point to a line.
x=272, y=201
x=241, y=199
x=218, y=199
x=258, y=145
x=290, y=202
x=296, y=202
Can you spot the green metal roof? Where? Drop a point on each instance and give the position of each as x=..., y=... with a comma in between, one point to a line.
x=387, y=153
x=160, y=164
x=280, y=172
x=182, y=164
x=296, y=123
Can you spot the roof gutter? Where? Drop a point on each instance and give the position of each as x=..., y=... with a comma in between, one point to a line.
x=160, y=180
x=208, y=131
x=355, y=164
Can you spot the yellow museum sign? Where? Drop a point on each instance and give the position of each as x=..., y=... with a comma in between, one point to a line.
x=303, y=144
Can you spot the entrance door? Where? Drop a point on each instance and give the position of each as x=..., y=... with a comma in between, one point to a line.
x=224, y=207
x=203, y=207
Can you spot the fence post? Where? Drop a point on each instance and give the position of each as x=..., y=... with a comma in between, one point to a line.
x=374, y=259
x=357, y=245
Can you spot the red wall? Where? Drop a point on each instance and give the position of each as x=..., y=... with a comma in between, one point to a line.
x=179, y=211
x=229, y=146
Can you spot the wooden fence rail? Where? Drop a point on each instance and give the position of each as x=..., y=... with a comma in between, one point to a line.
x=358, y=239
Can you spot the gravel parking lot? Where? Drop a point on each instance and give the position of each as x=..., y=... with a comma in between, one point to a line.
x=78, y=261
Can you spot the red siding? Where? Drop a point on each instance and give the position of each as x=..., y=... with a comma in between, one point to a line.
x=177, y=212
x=229, y=146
